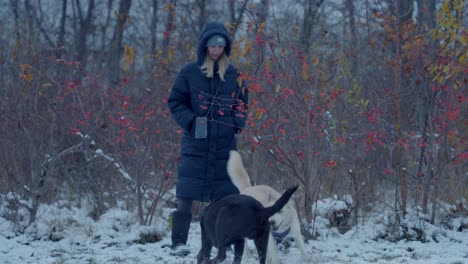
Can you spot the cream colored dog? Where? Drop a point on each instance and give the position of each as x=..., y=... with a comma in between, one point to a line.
x=284, y=223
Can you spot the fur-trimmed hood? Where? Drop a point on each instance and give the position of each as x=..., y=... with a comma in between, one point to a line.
x=210, y=29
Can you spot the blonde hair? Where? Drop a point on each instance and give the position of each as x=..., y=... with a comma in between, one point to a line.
x=207, y=67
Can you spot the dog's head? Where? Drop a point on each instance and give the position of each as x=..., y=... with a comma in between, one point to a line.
x=280, y=224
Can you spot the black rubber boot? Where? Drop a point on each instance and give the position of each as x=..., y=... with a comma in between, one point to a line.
x=180, y=229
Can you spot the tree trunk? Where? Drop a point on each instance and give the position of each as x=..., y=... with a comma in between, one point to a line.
x=140, y=200
x=83, y=30
x=30, y=36
x=403, y=12
x=426, y=13
x=261, y=30
x=202, y=17
x=37, y=194
x=354, y=38
x=116, y=42
x=170, y=26
x=425, y=102
x=236, y=20
x=154, y=26
x=61, y=36
x=310, y=17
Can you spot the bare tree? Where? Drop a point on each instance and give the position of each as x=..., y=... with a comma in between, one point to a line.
x=115, y=53
x=351, y=15
x=83, y=23
x=403, y=12
x=170, y=25
x=426, y=14
x=311, y=13
x=154, y=25
x=61, y=34
x=201, y=4
x=236, y=20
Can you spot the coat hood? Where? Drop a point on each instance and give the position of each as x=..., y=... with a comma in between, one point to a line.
x=210, y=29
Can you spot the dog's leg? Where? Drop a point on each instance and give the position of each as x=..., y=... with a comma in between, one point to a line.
x=220, y=257
x=261, y=243
x=297, y=236
x=205, y=251
x=238, y=250
x=272, y=251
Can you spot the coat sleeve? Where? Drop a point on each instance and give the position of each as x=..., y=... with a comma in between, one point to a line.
x=242, y=106
x=179, y=103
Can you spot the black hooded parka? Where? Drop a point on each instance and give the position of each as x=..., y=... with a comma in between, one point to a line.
x=202, y=172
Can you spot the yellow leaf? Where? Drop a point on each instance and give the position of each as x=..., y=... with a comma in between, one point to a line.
x=26, y=75
x=461, y=59
x=168, y=7
x=25, y=66
x=261, y=29
x=304, y=70
x=248, y=47
x=458, y=5
x=445, y=7
x=297, y=30
x=258, y=114
x=315, y=61
x=170, y=56
x=129, y=56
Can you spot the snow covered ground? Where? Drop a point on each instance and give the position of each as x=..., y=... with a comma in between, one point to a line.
x=70, y=236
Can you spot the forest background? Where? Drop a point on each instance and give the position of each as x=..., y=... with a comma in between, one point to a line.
x=350, y=99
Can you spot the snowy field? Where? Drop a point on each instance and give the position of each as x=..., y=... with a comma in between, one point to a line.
x=70, y=236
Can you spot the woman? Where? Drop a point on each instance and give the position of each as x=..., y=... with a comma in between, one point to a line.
x=209, y=102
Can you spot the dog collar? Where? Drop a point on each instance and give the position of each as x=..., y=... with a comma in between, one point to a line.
x=279, y=236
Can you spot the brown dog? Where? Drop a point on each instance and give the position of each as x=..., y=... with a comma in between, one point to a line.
x=231, y=219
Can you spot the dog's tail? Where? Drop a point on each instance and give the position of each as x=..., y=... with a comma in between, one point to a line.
x=279, y=204
x=236, y=170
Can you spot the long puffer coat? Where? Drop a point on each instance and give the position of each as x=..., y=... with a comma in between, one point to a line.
x=202, y=173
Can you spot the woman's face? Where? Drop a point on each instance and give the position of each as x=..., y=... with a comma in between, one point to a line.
x=215, y=52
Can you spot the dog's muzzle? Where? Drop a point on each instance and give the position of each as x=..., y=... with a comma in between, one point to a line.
x=279, y=236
